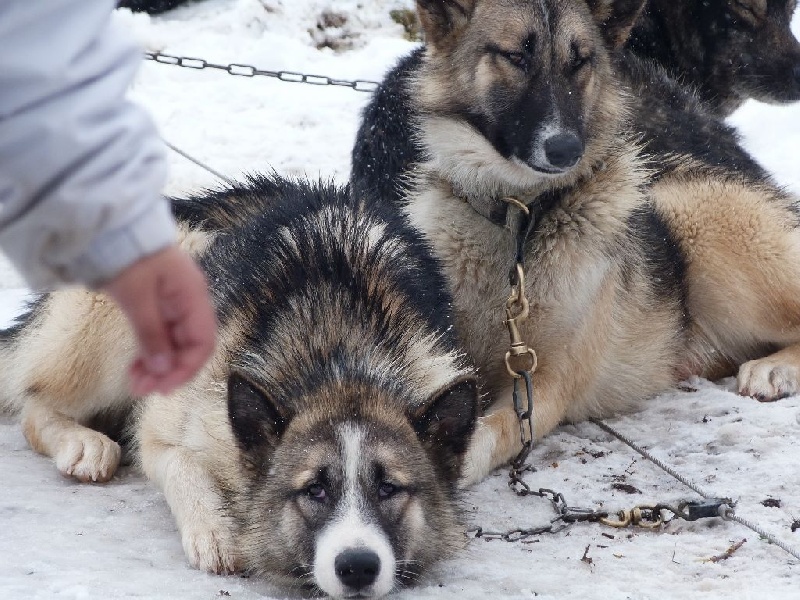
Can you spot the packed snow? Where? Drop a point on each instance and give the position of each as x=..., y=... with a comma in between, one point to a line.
x=63, y=539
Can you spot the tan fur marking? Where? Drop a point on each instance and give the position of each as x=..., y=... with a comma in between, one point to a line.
x=743, y=259
x=743, y=253
x=195, y=242
x=84, y=357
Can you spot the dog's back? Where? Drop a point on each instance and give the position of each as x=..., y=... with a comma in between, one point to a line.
x=676, y=127
x=385, y=147
x=308, y=265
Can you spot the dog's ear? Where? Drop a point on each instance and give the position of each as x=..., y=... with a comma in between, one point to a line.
x=255, y=419
x=616, y=18
x=445, y=423
x=441, y=18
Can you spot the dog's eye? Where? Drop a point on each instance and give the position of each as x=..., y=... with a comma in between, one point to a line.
x=580, y=58
x=317, y=492
x=386, y=490
x=517, y=59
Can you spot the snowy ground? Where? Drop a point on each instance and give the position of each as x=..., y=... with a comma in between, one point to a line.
x=61, y=539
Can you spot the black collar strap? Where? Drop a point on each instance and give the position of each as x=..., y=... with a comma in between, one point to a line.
x=495, y=210
x=507, y=211
x=519, y=215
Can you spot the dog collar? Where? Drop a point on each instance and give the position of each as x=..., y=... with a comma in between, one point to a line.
x=512, y=212
x=518, y=213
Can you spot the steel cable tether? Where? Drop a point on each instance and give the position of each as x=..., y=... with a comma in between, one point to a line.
x=199, y=163
x=727, y=512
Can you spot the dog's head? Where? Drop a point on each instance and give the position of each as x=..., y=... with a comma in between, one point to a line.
x=522, y=87
x=353, y=496
x=757, y=48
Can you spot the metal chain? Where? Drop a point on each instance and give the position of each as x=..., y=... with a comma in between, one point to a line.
x=517, y=311
x=726, y=512
x=240, y=70
x=647, y=516
x=565, y=516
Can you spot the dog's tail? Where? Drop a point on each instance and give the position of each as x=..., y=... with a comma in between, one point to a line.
x=10, y=338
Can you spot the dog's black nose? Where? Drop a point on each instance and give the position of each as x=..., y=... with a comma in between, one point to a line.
x=357, y=568
x=563, y=150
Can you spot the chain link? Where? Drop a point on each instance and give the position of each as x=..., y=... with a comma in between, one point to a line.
x=241, y=70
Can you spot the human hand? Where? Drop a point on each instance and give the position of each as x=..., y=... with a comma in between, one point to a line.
x=165, y=297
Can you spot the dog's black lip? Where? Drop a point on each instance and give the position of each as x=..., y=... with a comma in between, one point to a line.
x=551, y=171
x=547, y=170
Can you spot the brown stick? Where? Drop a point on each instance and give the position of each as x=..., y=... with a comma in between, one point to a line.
x=727, y=554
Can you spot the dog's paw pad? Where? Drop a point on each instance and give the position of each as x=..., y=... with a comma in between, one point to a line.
x=210, y=550
x=88, y=456
x=768, y=379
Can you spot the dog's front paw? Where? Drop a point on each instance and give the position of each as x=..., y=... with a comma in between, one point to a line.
x=88, y=456
x=210, y=549
x=768, y=379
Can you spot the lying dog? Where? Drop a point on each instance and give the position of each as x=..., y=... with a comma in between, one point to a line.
x=321, y=444
x=636, y=278
x=729, y=50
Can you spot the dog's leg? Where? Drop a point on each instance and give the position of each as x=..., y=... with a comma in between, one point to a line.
x=171, y=449
x=742, y=245
x=196, y=505
x=494, y=442
x=496, y=439
x=78, y=451
x=66, y=367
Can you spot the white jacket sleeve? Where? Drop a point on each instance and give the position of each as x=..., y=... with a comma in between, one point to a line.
x=81, y=168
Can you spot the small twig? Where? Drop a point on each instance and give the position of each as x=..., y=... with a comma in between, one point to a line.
x=586, y=558
x=727, y=554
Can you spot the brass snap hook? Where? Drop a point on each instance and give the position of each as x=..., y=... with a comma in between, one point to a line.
x=519, y=356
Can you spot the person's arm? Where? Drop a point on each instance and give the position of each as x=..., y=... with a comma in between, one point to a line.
x=81, y=168
x=81, y=172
